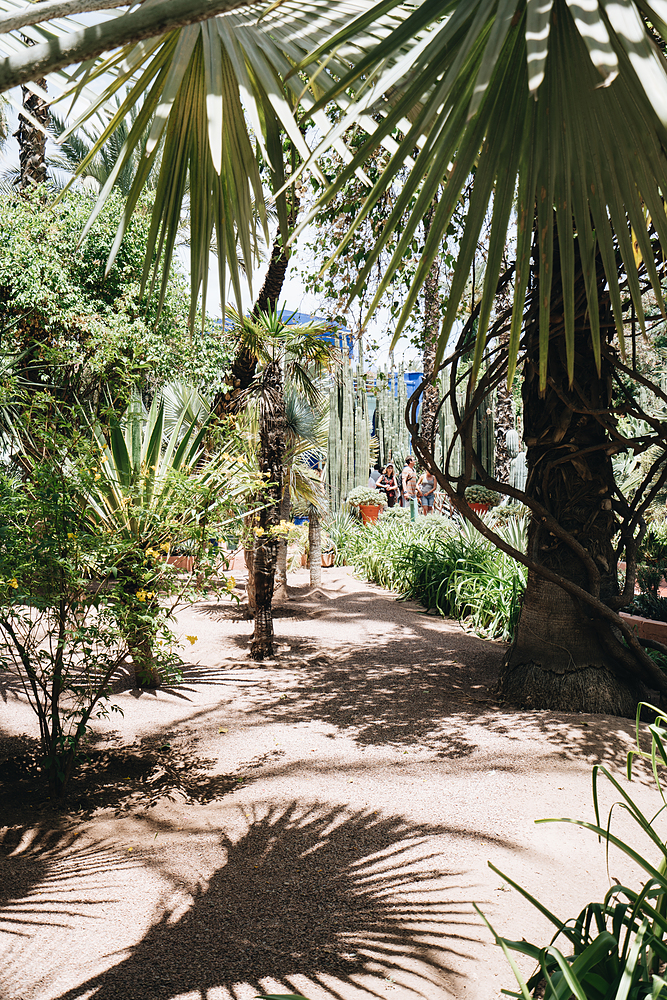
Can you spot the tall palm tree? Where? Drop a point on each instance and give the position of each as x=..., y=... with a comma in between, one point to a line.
x=559, y=109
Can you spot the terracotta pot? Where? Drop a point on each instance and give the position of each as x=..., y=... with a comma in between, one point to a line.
x=328, y=558
x=479, y=508
x=369, y=513
x=182, y=562
x=646, y=628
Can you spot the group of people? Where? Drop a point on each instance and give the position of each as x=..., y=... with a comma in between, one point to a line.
x=407, y=487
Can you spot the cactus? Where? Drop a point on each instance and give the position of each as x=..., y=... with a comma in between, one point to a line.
x=519, y=471
x=512, y=443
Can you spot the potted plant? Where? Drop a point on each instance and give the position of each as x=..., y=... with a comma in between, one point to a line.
x=480, y=499
x=366, y=502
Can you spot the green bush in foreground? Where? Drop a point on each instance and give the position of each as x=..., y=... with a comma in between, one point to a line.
x=446, y=566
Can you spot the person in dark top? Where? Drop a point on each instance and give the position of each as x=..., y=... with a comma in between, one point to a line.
x=389, y=485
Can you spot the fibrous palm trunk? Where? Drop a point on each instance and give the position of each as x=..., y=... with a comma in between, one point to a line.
x=564, y=658
x=31, y=139
x=244, y=365
x=272, y=436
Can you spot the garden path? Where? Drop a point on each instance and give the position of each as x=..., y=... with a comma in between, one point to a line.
x=353, y=792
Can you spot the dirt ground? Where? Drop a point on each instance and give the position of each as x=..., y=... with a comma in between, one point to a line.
x=320, y=824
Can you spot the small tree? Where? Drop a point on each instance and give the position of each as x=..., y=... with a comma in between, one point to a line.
x=57, y=621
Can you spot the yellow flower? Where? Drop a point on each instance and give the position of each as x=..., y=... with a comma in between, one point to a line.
x=141, y=595
x=150, y=594
x=259, y=532
x=97, y=476
x=13, y=583
x=191, y=639
x=231, y=583
x=70, y=534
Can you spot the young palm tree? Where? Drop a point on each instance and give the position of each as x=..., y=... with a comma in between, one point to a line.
x=300, y=355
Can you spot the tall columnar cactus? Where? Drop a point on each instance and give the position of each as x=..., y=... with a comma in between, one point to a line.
x=519, y=471
x=512, y=443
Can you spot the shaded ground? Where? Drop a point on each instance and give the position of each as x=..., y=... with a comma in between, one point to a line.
x=320, y=824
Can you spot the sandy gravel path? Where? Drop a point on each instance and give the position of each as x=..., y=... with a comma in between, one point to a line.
x=372, y=776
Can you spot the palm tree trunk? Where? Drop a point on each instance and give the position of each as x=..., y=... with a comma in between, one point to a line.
x=32, y=140
x=562, y=658
x=315, y=547
x=244, y=366
x=272, y=431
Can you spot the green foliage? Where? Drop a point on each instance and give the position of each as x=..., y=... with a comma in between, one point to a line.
x=649, y=606
x=446, y=566
x=652, y=563
x=616, y=948
x=341, y=528
x=58, y=622
x=88, y=329
x=154, y=490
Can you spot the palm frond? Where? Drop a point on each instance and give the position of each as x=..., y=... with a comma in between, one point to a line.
x=561, y=104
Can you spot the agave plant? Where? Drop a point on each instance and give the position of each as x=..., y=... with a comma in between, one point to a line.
x=153, y=490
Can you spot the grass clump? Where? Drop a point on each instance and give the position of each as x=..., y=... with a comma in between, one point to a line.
x=447, y=566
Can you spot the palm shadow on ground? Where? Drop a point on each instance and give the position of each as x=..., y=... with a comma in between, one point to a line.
x=413, y=684
x=50, y=877
x=317, y=897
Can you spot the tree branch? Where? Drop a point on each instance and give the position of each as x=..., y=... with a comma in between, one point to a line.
x=147, y=22
x=35, y=13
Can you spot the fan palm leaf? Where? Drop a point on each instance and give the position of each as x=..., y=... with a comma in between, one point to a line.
x=216, y=92
x=550, y=103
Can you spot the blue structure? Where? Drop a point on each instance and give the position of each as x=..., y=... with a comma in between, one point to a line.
x=335, y=332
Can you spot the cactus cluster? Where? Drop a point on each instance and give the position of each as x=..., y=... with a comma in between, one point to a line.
x=365, y=497
x=480, y=494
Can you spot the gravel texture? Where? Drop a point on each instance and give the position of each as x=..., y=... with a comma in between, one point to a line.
x=319, y=824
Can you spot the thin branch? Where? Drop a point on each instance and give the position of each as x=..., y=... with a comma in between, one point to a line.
x=78, y=46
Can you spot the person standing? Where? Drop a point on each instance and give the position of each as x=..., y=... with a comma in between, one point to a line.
x=389, y=484
x=426, y=491
x=409, y=481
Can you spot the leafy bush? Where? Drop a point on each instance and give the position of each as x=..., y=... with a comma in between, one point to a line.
x=616, y=948
x=446, y=566
x=341, y=528
x=649, y=606
x=58, y=621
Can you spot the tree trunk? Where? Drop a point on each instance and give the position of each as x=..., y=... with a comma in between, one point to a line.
x=562, y=657
x=272, y=430
x=430, y=397
x=281, y=592
x=31, y=140
x=315, y=547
